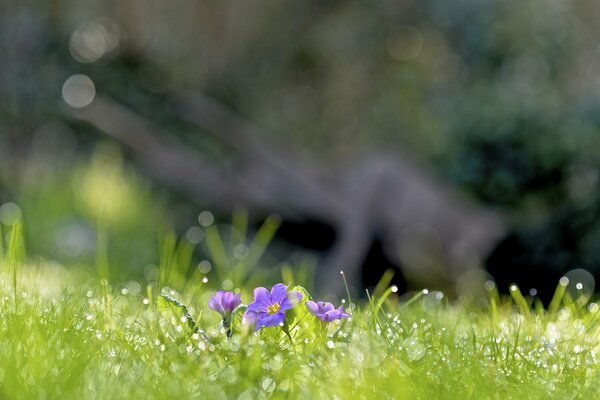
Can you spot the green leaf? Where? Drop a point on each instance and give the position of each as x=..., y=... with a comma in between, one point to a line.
x=236, y=318
x=167, y=302
x=299, y=317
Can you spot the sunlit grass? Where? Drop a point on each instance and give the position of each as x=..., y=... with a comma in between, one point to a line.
x=64, y=333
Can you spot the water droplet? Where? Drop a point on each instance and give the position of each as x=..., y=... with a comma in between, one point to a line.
x=205, y=280
x=425, y=291
x=564, y=281
x=579, y=286
x=124, y=291
x=533, y=292
x=394, y=289
x=268, y=384
x=341, y=272
x=343, y=301
x=146, y=301
x=414, y=350
x=330, y=344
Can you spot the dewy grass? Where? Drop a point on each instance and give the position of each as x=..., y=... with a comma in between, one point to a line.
x=62, y=342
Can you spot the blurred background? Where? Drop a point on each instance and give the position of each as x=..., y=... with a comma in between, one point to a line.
x=449, y=142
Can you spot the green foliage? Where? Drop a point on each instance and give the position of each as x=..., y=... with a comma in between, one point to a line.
x=179, y=309
x=85, y=339
x=74, y=349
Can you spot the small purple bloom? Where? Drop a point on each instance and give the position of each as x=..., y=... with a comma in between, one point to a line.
x=268, y=309
x=325, y=311
x=224, y=302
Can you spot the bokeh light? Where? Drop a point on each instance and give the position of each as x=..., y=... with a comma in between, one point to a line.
x=404, y=42
x=78, y=91
x=10, y=213
x=93, y=40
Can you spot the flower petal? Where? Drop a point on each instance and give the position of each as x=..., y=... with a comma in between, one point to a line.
x=331, y=315
x=262, y=299
x=342, y=313
x=265, y=319
x=216, y=302
x=249, y=317
x=278, y=293
x=325, y=306
x=313, y=307
x=230, y=301
x=292, y=299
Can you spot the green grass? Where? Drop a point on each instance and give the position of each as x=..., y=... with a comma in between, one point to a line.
x=64, y=333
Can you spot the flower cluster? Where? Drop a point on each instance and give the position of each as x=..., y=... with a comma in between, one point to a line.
x=269, y=307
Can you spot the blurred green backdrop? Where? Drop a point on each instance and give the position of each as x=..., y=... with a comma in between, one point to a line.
x=499, y=97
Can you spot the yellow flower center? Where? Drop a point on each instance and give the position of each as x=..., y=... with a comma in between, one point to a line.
x=273, y=308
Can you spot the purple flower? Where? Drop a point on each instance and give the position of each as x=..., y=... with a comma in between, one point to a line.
x=224, y=302
x=268, y=309
x=325, y=311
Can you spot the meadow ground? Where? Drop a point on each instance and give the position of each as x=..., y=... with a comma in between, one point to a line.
x=68, y=333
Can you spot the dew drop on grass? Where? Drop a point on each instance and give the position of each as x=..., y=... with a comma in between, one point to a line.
x=579, y=286
x=414, y=350
x=394, y=289
x=330, y=344
x=268, y=384
x=146, y=301
x=205, y=280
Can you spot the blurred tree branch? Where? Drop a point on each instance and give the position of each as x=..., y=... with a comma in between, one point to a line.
x=378, y=192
